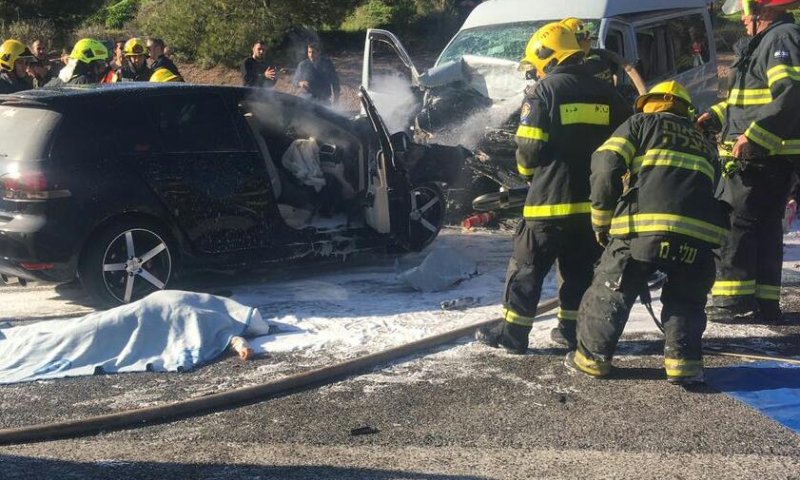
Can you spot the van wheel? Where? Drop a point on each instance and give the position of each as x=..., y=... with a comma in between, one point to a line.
x=126, y=261
x=426, y=217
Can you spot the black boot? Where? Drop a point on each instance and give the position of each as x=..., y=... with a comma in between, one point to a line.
x=513, y=338
x=565, y=334
x=770, y=313
x=732, y=314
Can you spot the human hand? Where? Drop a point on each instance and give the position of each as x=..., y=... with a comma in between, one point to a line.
x=270, y=73
x=303, y=84
x=743, y=148
x=700, y=123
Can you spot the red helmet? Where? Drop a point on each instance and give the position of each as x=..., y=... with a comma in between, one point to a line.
x=748, y=6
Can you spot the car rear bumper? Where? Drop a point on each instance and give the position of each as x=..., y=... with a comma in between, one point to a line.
x=32, y=249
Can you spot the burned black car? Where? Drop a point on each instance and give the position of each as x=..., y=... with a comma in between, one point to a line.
x=126, y=186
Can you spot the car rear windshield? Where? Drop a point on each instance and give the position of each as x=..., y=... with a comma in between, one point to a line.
x=25, y=132
x=505, y=41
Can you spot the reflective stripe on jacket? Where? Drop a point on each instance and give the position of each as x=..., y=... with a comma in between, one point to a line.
x=564, y=118
x=764, y=96
x=657, y=175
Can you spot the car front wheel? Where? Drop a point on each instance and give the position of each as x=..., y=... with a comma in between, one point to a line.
x=126, y=261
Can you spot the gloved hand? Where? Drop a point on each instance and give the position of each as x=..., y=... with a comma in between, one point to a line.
x=601, y=237
x=730, y=168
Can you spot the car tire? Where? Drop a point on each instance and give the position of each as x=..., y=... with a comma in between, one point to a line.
x=126, y=261
x=427, y=215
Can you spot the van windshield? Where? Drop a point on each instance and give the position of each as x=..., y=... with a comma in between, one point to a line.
x=25, y=132
x=505, y=41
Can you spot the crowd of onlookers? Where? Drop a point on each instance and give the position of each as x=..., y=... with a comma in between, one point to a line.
x=92, y=61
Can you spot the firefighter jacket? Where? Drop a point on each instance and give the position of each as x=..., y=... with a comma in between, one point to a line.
x=10, y=83
x=671, y=173
x=564, y=118
x=764, y=95
x=128, y=74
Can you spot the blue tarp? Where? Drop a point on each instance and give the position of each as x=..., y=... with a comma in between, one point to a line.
x=772, y=388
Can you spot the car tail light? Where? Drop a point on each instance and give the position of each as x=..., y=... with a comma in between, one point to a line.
x=30, y=266
x=30, y=186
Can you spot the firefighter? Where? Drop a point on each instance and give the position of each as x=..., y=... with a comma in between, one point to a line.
x=605, y=63
x=135, y=67
x=565, y=116
x=653, y=207
x=759, y=129
x=164, y=74
x=87, y=64
x=13, y=66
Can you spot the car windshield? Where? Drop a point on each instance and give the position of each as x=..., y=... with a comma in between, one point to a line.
x=506, y=41
x=24, y=132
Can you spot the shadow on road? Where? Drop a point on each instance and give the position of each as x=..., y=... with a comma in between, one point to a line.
x=16, y=467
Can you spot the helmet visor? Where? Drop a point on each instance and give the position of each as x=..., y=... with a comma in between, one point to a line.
x=735, y=6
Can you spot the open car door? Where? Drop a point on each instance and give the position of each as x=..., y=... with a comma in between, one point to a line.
x=391, y=79
x=412, y=215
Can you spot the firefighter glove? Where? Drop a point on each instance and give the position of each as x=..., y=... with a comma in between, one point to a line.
x=601, y=237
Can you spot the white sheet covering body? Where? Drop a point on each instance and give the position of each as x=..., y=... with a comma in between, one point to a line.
x=165, y=332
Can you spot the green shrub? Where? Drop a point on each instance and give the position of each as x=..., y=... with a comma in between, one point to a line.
x=27, y=31
x=120, y=13
x=374, y=13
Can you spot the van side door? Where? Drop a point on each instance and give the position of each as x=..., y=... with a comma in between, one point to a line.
x=679, y=46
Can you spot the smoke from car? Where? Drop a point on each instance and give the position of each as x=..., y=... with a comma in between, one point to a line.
x=394, y=100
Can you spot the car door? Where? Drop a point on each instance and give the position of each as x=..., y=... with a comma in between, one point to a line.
x=191, y=155
x=389, y=76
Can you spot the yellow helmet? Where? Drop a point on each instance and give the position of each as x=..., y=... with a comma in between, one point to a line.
x=10, y=51
x=549, y=46
x=134, y=46
x=580, y=30
x=164, y=75
x=666, y=90
x=89, y=50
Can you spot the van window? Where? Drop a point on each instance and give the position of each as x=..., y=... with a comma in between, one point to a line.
x=689, y=41
x=505, y=41
x=655, y=53
x=25, y=132
x=196, y=123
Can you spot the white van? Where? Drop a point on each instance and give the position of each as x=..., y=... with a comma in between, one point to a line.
x=664, y=39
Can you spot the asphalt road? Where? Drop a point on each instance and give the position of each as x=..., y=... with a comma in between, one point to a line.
x=462, y=412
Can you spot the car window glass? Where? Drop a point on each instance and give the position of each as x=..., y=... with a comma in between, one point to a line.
x=195, y=123
x=134, y=127
x=506, y=41
x=615, y=42
x=25, y=132
x=654, y=51
x=689, y=42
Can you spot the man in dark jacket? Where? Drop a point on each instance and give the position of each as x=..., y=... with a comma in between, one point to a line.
x=653, y=206
x=316, y=77
x=257, y=71
x=564, y=118
x=155, y=47
x=760, y=132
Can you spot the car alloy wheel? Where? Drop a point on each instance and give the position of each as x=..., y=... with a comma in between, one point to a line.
x=426, y=216
x=136, y=263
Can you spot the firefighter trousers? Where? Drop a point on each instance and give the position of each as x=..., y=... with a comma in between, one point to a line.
x=537, y=245
x=749, y=263
x=622, y=276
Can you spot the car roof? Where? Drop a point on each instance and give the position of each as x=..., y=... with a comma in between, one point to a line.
x=83, y=93
x=495, y=12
